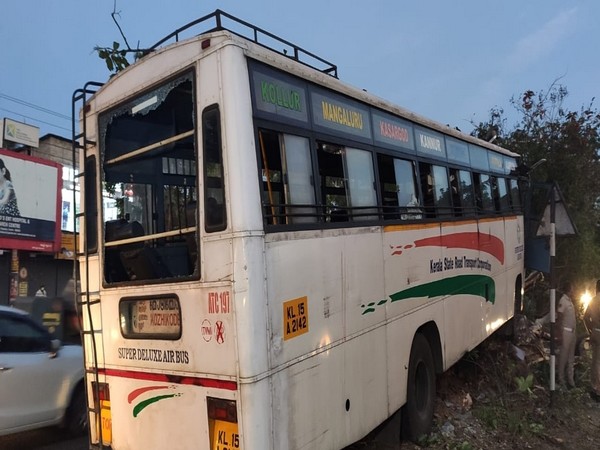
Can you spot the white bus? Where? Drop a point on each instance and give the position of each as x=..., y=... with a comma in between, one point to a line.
x=273, y=259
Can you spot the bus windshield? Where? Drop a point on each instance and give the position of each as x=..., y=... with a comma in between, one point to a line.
x=149, y=210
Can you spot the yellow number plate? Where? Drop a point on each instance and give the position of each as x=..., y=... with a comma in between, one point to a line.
x=225, y=436
x=106, y=422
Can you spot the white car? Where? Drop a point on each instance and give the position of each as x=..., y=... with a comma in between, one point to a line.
x=41, y=382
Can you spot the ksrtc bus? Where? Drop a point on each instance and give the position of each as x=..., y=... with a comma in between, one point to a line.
x=273, y=259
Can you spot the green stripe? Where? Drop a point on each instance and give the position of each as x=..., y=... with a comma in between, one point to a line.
x=479, y=285
x=141, y=405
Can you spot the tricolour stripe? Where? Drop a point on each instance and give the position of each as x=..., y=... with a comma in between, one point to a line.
x=170, y=378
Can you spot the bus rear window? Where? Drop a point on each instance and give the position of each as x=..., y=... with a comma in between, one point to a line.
x=150, y=177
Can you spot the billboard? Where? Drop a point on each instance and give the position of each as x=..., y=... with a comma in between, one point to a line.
x=19, y=133
x=30, y=198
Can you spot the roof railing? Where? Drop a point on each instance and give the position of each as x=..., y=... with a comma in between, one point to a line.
x=223, y=21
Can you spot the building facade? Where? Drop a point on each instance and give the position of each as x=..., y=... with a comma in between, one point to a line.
x=25, y=273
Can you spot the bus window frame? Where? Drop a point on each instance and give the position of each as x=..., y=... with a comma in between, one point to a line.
x=191, y=74
x=475, y=162
x=210, y=207
x=434, y=214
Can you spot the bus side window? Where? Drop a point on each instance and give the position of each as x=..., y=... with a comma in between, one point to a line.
x=466, y=192
x=298, y=179
x=426, y=177
x=483, y=192
x=455, y=192
x=441, y=192
x=361, y=183
x=215, y=219
x=436, y=190
x=495, y=194
x=389, y=187
x=272, y=178
x=288, y=192
x=503, y=194
x=398, y=188
x=347, y=183
x=515, y=198
x=334, y=190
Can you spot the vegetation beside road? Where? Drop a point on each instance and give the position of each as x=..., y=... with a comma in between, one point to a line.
x=491, y=399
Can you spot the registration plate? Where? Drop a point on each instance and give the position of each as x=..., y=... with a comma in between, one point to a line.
x=106, y=422
x=225, y=435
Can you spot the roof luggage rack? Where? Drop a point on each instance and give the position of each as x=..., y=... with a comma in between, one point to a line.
x=253, y=33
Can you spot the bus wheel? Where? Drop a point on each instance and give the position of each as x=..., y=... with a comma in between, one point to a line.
x=417, y=414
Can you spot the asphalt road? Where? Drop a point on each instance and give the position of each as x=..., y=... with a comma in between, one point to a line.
x=43, y=439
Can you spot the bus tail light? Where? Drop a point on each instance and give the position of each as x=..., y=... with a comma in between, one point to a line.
x=101, y=391
x=222, y=424
x=101, y=395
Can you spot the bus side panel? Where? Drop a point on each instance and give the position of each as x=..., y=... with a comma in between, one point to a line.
x=495, y=256
x=464, y=312
x=250, y=315
x=365, y=361
x=406, y=266
x=331, y=396
x=339, y=273
x=450, y=271
x=514, y=258
x=337, y=285
x=307, y=402
x=400, y=334
x=254, y=422
x=365, y=385
x=309, y=269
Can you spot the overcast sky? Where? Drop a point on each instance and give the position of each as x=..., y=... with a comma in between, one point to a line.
x=450, y=61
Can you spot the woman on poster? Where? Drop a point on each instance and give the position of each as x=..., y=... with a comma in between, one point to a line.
x=8, y=197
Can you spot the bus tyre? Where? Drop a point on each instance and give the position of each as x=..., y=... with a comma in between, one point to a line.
x=417, y=414
x=76, y=419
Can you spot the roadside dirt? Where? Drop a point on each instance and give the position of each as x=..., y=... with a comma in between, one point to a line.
x=498, y=397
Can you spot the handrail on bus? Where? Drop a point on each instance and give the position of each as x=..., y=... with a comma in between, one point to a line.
x=277, y=214
x=150, y=237
x=299, y=54
x=148, y=148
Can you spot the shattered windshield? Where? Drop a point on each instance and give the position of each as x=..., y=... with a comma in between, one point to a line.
x=150, y=183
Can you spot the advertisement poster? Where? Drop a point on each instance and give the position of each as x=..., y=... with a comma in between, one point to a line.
x=30, y=191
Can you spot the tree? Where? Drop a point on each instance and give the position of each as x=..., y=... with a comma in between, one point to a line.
x=116, y=57
x=570, y=143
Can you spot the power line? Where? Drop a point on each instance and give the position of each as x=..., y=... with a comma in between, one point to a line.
x=33, y=106
x=34, y=119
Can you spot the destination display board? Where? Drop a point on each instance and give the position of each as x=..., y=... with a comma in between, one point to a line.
x=332, y=112
x=393, y=132
x=278, y=95
x=457, y=151
x=286, y=99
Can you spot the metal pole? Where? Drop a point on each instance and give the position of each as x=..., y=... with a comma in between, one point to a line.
x=552, y=295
